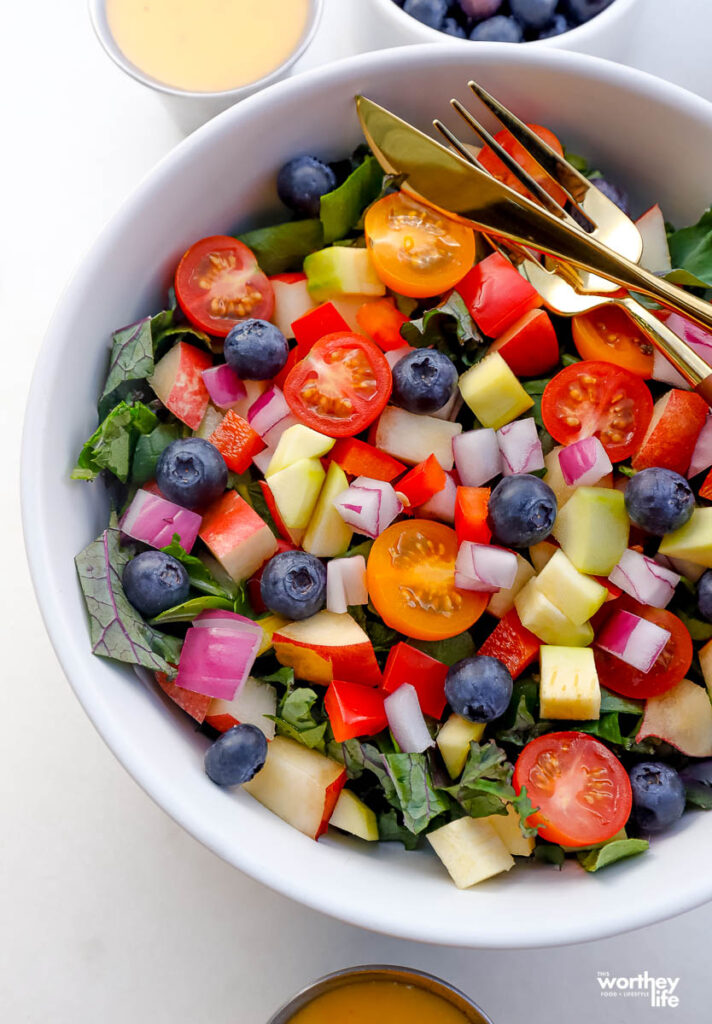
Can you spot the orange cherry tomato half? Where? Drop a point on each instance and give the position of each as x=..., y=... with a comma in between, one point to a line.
x=497, y=169
x=341, y=385
x=411, y=581
x=608, y=334
x=417, y=251
x=579, y=786
x=219, y=283
x=598, y=399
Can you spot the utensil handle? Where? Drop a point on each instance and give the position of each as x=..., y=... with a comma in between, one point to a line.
x=685, y=360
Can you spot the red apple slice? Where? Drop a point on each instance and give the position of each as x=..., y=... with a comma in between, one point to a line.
x=682, y=717
x=178, y=381
x=239, y=538
x=194, y=704
x=251, y=705
x=327, y=646
x=678, y=418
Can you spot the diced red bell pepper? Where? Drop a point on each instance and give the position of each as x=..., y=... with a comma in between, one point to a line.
x=382, y=321
x=614, y=592
x=322, y=320
x=512, y=644
x=471, y=505
x=678, y=417
x=357, y=458
x=254, y=592
x=236, y=441
x=194, y=704
x=407, y=664
x=530, y=346
x=354, y=710
x=496, y=295
x=422, y=482
x=292, y=360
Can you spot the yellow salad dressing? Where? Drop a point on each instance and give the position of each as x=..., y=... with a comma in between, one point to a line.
x=207, y=45
x=378, y=1002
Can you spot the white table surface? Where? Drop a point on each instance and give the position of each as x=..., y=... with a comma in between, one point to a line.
x=109, y=911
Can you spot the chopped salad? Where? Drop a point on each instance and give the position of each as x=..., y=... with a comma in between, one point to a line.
x=422, y=560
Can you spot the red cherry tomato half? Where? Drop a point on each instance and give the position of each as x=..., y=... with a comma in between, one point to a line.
x=579, y=786
x=340, y=386
x=219, y=283
x=498, y=170
x=670, y=668
x=598, y=399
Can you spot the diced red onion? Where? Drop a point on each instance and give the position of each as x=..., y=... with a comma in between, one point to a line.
x=224, y=386
x=406, y=720
x=216, y=660
x=635, y=641
x=369, y=506
x=520, y=447
x=267, y=410
x=346, y=583
x=396, y=354
x=702, y=455
x=271, y=438
x=153, y=520
x=584, y=462
x=696, y=337
x=224, y=619
x=477, y=456
x=442, y=505
x=484, y=567
x=262, y=459
x=644, y=579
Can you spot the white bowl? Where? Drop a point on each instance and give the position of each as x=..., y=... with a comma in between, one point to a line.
x=608, y=34
x=224, y=176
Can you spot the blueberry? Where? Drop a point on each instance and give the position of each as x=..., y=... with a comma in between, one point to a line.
x=533, y=13
x=479, y=688
x=704, y=595
x=256, y=349
x=430, y=12
x=453, y=28
x=191, y=472
x=497, y=30
x=294, y=584
x=424, y=381
x=584, y=10
x=658, y=795
x=659, y=500
x=154, y=581
x=236, y=756
x=480, y=9
x=614, y=192
x=522, y=510
x=557, y=27
x=302, y=182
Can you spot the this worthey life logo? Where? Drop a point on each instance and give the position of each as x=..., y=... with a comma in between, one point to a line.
x=659, y=991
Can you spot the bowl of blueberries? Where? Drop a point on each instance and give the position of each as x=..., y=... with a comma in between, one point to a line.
x=599, y=27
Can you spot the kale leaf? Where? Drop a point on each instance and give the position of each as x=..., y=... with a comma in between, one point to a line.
x=112, y=444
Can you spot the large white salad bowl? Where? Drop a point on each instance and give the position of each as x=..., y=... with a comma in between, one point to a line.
x=653, y=138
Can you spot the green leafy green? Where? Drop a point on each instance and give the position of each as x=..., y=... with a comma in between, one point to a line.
x=448, y=651
x=165, y=329
x=625, y=705
x=485, y=785
x=698, y=792
x=202, y=578
x=189, y=610
x=117, y=629
x=361, y=757
x=609, y=853
x=391, y=830
x=700, y=630
x=362, y=548
x=522, y=724
x=691, y=253
x=450, y=329
x=283, y=247
x=607, y=727
x=382, y=637
x=420, y=802
x=550, y=853
x=130, y=364
x=284, y=676
x=341, y=209
x=296, y=719
x=148, y=450
x=111, y=445
x=535, y=389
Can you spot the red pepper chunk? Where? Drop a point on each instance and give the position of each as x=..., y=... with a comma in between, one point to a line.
x=496, y=295
x=512, y=644
x=236, y=441
x=422, y=482
x=354, y=710
x=407, y=664
x=315, y=325
x=471, y=505
x=382, y=322
x=357, y=458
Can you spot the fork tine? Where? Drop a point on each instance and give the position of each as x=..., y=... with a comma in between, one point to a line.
x=455, y=142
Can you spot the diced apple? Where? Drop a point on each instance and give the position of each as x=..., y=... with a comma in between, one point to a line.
x=592, y=529
x=348, y=306
x=693, y=541
x=291, y=300
x=177, y=380
x=705, y=656
x=555, y=478
x=545, y=620
x=508, y=828
x=503, y=601
x=210, y=422
x=296, y=491
x=299, y=785
x=194, y=704
x=578, y=596
x=269, y=624
x=454, y=740
x=341, y=270
x=678, y=418
x=569, y=687
x=327, y=534
x=327, y=646
x=656, y=253
x=353, y=816
x=297, y=443
x=412, y=438
x=239, y=538
x=681, y=717
x=542, y=553
x=471, y=850
x=251, y=705
x=493, y=392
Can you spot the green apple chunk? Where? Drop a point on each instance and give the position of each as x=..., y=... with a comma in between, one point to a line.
x=493, y=392
x=693, y=541
x=352, y=815
x=296, y=491
x=297, y=443
x=341, y=270
x=575, y=594
x=592, y=529
x=327, y=534
x=542, y=618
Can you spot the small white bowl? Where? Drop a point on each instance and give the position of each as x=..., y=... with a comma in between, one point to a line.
x=189, y=108
x=608, y=34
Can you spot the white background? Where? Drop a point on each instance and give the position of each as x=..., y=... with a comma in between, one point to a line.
x=108, y=911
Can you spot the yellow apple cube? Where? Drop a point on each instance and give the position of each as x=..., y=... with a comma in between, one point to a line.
x=493, y=392
x=569, y=685
x=454, y=741
x=507, y=826
x=592, y=529
x=471, y=850
x=352, y=815
x=576, y=595
x=297, y=443
x=542, y=618
x=327, y=534
x=296, y=491
x=693, y=541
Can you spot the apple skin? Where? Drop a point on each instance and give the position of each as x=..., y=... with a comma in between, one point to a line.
x=678, y=418
x=194, y=704
x=681, y=717
x=327, y=646
x=177, y=380
x=239, y=538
